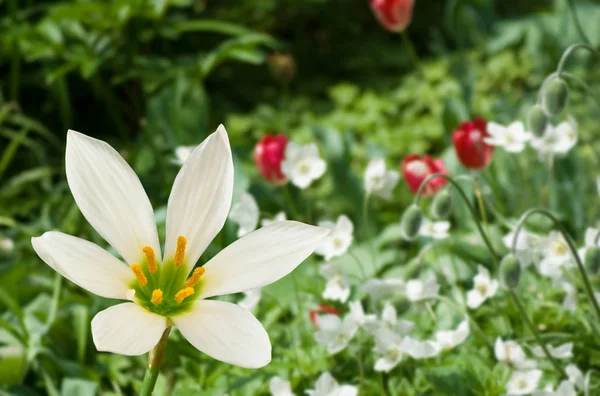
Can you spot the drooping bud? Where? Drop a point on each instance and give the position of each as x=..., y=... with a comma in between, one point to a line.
x=411, y=222
x=510, y=272
x=555, y=95
x=592, y=260
x=442, y=205
x=537, y=120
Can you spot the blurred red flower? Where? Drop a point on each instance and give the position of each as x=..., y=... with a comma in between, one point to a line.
x=469, y=144
x=269, y=153
x=417, y=167
x=394, y=15
x=321, y=309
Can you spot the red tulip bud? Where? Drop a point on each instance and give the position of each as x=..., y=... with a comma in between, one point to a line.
x=417, y=167
x=394, y=15
x=321, y=309
x=469, y=144
x=269, y=153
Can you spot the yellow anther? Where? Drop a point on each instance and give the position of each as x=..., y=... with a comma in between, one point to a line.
x=150, y=259
x=139, y=274
x=157, y=296
x=183, y=294
x=192, y=280
x=180, y=252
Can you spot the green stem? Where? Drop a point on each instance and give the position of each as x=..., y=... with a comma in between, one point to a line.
x=481, y=206
x=365, y=213
x=290, y=201
x=533, y=330
x=155, y=359
x=565, y=56
x=412, y=53
x=577, y=22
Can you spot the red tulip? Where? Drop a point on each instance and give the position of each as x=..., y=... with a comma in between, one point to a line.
x=469, y=144
x=321, y=309
x=394, y=15
x=417, y=167
x=269, y=153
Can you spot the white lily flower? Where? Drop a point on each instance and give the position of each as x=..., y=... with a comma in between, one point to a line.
x=338, y=286
x=281, y=216
x=434, y=229
x=511, y=138
x=251, y=299
x=556, y=254
x=326, y=385
x=112, y=199
x=377, y=288
x=565, y=388
x=357, y=314
x=245, y=214
x=418, y=290
x=564, y=351
x=7, y=244
x=557, y=140
x=523, y=382
x=335, y=333
x=379, y=181
x=575, y=375
x=448, y=339
x=280, y=387
x=527, y=250
x=182, y=153
x=484, y=287
x=339, y=239
x=388, y=344
x=420, y=349
x=511, y=353
x=302, y=164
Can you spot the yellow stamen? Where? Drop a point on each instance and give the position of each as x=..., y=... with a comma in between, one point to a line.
x=150, y=259
x=180, y=252
x=183, y=293
x=192, y=280
x=157, y=296
x=139, y=274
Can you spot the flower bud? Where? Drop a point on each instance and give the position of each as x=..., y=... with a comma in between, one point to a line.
x=394, y=15
x=282, y=66
x=537, y=120
x=555, y=97
x=411, y=222
x=269, y=153
x=510, y=272
x=592, y=260
x=442, y=205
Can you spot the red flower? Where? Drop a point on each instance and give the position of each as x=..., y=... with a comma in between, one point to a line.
x=394, y=15
x=269, y=153
x=417, y=167
x=321, y=309
x=469, y=144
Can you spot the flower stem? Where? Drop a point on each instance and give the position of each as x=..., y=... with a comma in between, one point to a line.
x=369, y=241
x=155, y=359
x=577, y=22
x=565, y=56
x=290, y=201
x=412, y=53
x=481, y=205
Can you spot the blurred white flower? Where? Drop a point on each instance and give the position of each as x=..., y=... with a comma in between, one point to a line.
x=245, y=214
x=358, y=315
x=564, y=351
x=417, y=290
x=420, y=349
x=335, y=333
x=281, y=216
x=570, y=300
x=378, y=181
x=280, y=387
x=448, y=339
x=302, y=164
x=511, y=138
x=575, y=375
x=556, y=140
x=388, y=345
x=377, y=288
x=338, y=286
x=434, y=229
x=555, y=254
x=527, y=251
x=7, y=244
x=484, y=287
x=251, y=299
x=389, y=321
x=326, y=385
x=523, y=382
x=511, y=353
x=339, y=239
x=565, y=388
x=182, y=153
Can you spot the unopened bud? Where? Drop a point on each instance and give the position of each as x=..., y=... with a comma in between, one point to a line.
x=282, y=66
x=592, y=260
x=555, y=97
x=442, y=205
x=411, y=222
x=510, y=272
x=537, y=120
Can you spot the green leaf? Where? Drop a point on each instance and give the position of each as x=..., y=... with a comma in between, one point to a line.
x=78, y=387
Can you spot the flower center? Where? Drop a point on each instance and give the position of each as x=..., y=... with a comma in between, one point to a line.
x=419, y=168
x=521, y=383
x=559, y=248
x=162, y=288
x=303, y=168
x=481, y=288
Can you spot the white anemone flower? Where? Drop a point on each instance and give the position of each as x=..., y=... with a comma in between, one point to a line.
x=281, y=216
x=338, y=285
x=163, y=288
x=182, y=153
x=564, y=351
x=251, y=299
x=357, y=314
x=7, y=244
x=484, y=287
x=280, y=387
x=523, y=382
x=527, y=251
x=420, y=349
x=335, y=333
x=434, y=229
x=565, y=388
x=389, y=321
x=556, y=255
x=448, y=339
x=418, y=290
x=339, y=239
x=377, y=288
x=245, y=214
x=575, y=375
x=379, y=181
x=326, y=385
x=302, y=164
x=511, y=138
x=511, y=353
x=388, y=346
x=557, y=140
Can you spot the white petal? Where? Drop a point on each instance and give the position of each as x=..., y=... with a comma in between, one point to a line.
x=260, y=258
x=127, y=329
x=110, y=196
x=84, y=263
x=201, y=197
x=226, y=332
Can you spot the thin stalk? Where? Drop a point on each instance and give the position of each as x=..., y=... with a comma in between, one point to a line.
x=290, y=201
x=577, y=22
x=565, y=56
x=481, y=206
x=365, y=215
x=412, y=53
x=155, y=360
